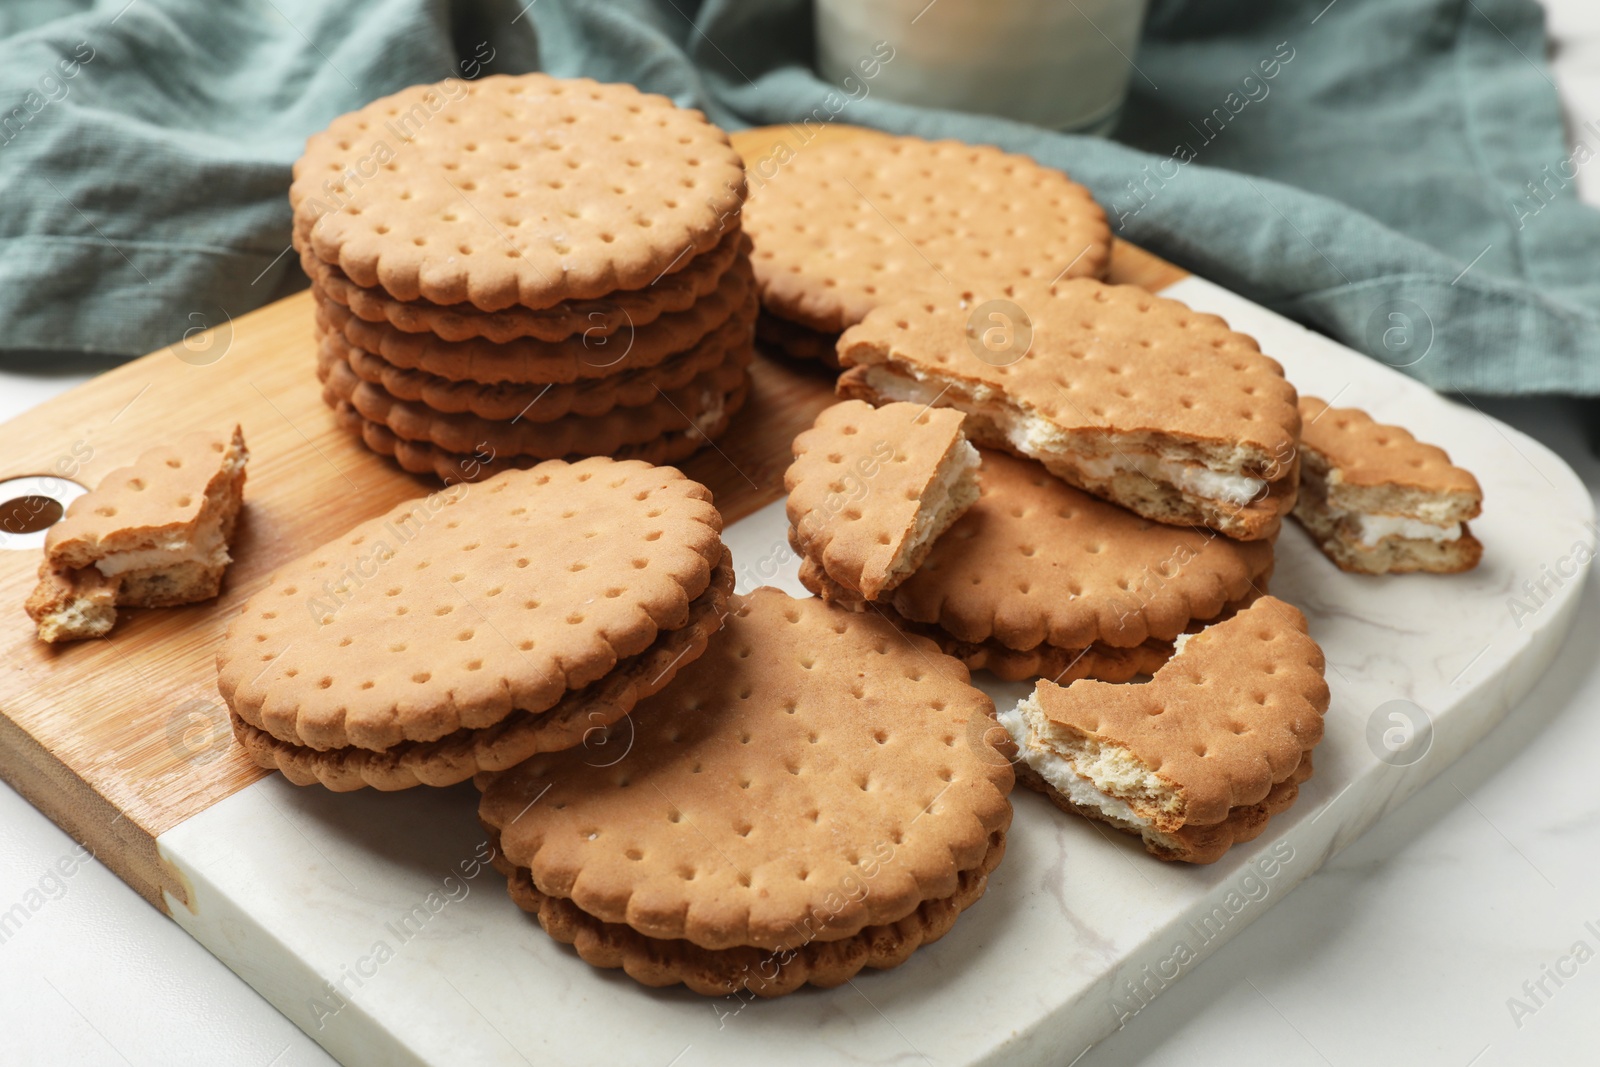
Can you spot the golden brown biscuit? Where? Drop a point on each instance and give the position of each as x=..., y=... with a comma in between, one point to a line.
x=871, y=489
x=812, y=777
x=523, y=189
x=697, y=404
x=1036, y=566
x=153, y=534
x=716, y=319
x=1378, y=501
x=1199, y=756
x=621, y=310
x=1133, y=397
x=587, y=398
x=459, y=610
x=848, y=225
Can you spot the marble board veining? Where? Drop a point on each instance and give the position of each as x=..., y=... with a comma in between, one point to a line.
x=373, y=922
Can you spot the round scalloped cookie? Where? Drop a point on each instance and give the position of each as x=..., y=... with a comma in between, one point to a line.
x=455, y=610
x=850, y=224
x=810, y=749
x=516, y=189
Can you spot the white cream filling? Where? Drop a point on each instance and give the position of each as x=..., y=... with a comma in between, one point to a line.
x=1195, y=479
x=1374, y=528
x=1022, y=722
x=938, y=501
x=206, y=548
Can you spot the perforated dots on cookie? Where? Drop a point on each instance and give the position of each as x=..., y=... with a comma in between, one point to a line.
x=1093, y=571
x=1368, y=453
x=520, y=189
x=1224, y=720
x=847, y=225
x=808, y=749
x=372, y=648
x=1098, y=357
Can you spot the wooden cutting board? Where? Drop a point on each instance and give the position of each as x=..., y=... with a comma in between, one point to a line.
x=121, y=739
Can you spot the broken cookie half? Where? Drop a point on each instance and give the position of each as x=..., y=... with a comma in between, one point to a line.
x=1198, y=758
x=870, y=491
x=154, y=534
x=1137, y=399
x=1378, y=501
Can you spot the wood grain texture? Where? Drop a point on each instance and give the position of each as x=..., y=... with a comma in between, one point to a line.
x=119, y=740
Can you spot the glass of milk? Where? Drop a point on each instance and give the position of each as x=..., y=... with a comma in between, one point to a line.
x=1063, y=64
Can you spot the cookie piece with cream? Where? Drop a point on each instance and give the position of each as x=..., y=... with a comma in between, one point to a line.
x=1378, y=501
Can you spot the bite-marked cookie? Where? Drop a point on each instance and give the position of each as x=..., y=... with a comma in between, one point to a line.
x=421, y=457
x=810, y=780
x=1198, y=757
x=730, y=307
x=871, y=489
x=1038, y=567
x=696, y=405
x=621, y=310
x=1378, y=501
x=586, y=398
x=849, y=225
x=516, y=189
x=1132, y=397
x=465, y=608
x=153, y=534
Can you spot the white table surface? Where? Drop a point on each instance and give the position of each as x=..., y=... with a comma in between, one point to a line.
x=1405, y=948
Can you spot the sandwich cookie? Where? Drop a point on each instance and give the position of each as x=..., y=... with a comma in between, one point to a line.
x=814, y=795
x=871, y=489
x=472, y=628
x=623, y=310
x=1198, y=758
x=850, y=224
x=151, y=535
x=1041, y=579
x=523, y=190
x=1132, y=397
x=1378, y=501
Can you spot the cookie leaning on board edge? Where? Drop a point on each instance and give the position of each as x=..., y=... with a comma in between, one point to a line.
x=814, y=795
x=472, y=628
x=1133, y=397
x=1198, y=758
x=1039, y=578
x=152, y=534
x=871, y=489
x=1378, y=501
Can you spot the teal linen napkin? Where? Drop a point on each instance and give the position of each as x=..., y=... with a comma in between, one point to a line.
x=1375, y=186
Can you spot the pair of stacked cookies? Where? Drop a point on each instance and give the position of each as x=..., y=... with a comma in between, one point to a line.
x=524, y=268
x=741, y=794
x=470, y=629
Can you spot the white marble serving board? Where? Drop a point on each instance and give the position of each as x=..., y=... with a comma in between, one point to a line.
x=371, y=922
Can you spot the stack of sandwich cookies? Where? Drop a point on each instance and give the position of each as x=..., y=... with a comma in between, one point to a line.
x=154, y=534
x=468, y=630
x=1378, y=501
x=1132, y=397
x=850, y=224
x=1201, y=756
x=1039, y=579
x=534, y=233
x=814, y=795
x=870, y=491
